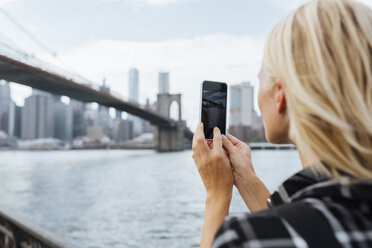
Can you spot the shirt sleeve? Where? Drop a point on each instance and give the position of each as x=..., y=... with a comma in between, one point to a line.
x=262, y=230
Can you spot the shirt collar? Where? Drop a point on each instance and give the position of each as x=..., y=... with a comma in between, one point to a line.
x=293, y=184
x=311, y=183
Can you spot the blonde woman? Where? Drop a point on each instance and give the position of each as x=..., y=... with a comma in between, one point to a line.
x=315, y=92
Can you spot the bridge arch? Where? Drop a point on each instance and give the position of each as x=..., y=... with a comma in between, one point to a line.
x=174, y=110
x=165, y=105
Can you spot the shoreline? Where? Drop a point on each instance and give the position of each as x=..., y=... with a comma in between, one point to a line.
x=253, y=146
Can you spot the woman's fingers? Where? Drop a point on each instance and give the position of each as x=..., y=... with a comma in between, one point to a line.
x=217, y=139
x=210, y=144
x=233, y=139
x=198, y=142
x=238, y=144
x=228, y=145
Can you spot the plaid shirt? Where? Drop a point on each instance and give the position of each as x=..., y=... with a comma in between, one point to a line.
x=308, y=210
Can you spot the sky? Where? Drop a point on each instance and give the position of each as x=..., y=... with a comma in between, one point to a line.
x=193, y=40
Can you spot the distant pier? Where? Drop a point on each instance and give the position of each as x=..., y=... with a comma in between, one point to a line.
x=269, y=146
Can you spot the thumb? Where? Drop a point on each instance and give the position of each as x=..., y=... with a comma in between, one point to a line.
x=227, y=144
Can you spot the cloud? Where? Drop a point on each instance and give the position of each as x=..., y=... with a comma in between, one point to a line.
x=366, y=2
x=157, y=2
x=145, y=2
x=5, y=2
x=287, y=4
x=293, y=4
x=220, y=57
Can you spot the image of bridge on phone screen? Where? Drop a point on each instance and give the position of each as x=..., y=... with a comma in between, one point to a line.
x=213, y=112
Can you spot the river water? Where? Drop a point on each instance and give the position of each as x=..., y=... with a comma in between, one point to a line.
x=120, y=198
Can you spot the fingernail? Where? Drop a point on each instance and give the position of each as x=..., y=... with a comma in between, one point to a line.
x=216, y=128
x=223, y=137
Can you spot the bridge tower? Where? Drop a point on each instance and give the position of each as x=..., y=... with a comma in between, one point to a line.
x=169, y=138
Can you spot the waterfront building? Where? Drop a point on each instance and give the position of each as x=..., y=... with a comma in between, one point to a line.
x=104, y=119
x=5, y=102
x=91, y=117
x=63, y=120
x=96, y=132
x=242, y=105
x=44, y=116
x=123, y=130
x=244, y=121
x=38, y=116
x=78, y=118
x=79, y=128
x=248, y=133
x=69, y=122
x=146, y=125
x=133, y=85
x=127, y=131
x=15, y=120
x=103, y=109
x=163, y=83
x=118, y=114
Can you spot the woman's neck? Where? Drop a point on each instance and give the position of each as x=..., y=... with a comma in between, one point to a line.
x=306, y=161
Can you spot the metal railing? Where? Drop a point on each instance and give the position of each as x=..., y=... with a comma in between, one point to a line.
x=16, y=232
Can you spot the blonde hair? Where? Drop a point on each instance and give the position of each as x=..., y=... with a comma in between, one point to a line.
x=322, y=53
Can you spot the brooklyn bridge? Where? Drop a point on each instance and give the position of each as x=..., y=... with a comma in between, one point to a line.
x=25, y=69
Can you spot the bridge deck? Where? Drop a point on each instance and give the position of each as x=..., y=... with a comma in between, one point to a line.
x=19, y=72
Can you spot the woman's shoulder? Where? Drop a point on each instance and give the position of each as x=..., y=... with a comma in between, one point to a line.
x=267, y=228
x=306, y=223
x=306, y=213
x=251, y=230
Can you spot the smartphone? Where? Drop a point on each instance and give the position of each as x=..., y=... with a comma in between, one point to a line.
x=213, y=107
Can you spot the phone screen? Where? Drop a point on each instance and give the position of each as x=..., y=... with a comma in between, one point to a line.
x=213, y=112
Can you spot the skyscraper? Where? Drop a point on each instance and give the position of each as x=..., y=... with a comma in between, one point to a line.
x=14, y=120
x=136, y=122
x=133, y=85
x=123, y=130
x=163, y=82
x=5, y=102
x=247, y=101
x=103, y=111
x=244, y=121
x=118, y=114
x=104, y=89
x=38, y=116
x=63, y=120
x=242, y=105
x=79, y=126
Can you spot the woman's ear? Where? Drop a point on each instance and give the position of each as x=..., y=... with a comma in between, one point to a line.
x=280, y=100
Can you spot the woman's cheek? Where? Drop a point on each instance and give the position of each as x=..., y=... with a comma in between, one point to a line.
x=263, y=105
x=259, y=99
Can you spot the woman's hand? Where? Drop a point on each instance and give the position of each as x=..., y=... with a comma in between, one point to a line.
x=240, y=158
x=251, y=188
x=213, y=164
x=215, y=170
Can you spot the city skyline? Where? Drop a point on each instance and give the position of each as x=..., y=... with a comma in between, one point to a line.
x=45, y=116
x=48, y=117
x=137, y=33
x=45, y=121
